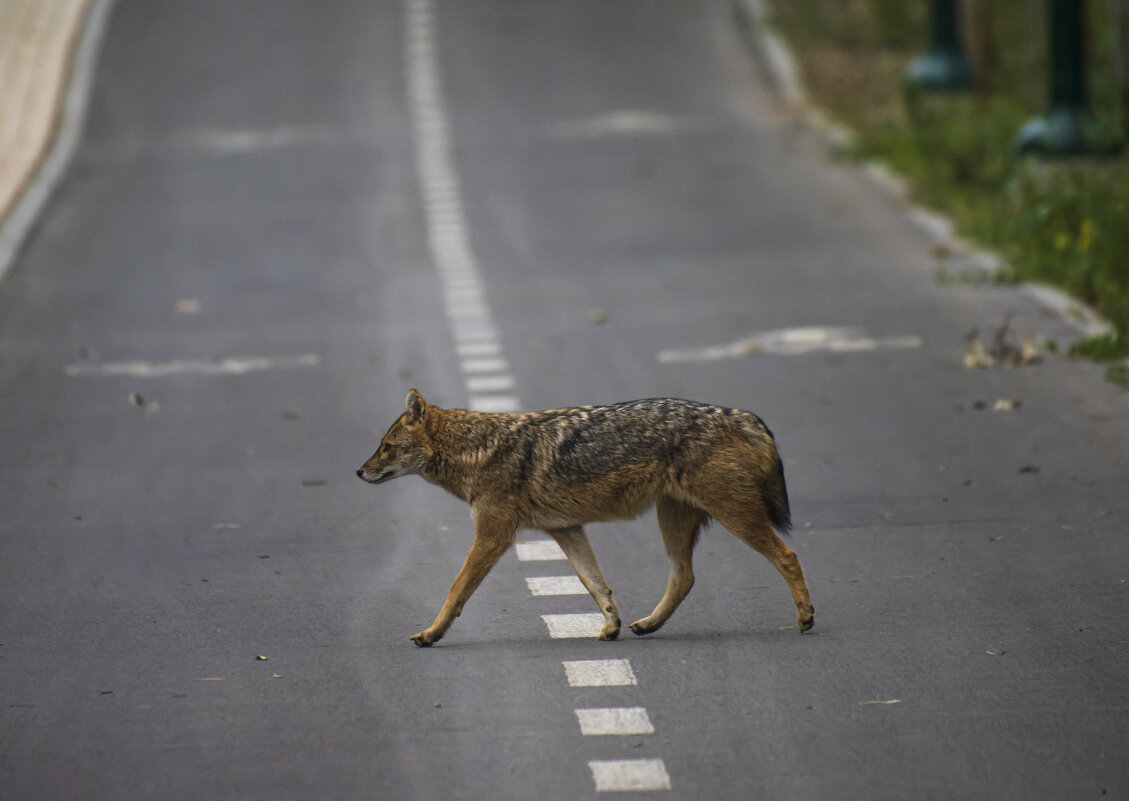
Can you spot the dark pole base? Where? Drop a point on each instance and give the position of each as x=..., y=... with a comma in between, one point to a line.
x=1064, y=132
x=940, y=71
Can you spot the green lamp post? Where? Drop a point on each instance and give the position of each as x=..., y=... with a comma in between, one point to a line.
x=944, y=67
x=1067, y=128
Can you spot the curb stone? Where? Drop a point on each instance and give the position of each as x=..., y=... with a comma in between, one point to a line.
x=48, y=50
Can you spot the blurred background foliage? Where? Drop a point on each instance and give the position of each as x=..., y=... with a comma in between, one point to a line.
x=1060, y=222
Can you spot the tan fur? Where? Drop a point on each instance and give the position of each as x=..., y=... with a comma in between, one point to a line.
x=560, y=469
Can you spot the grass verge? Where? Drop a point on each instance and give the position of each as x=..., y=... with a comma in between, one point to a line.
x=1064, y=223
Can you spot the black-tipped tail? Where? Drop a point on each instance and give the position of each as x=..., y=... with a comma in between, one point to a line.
x=776, y=499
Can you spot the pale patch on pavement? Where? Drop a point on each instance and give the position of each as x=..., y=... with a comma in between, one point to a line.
x=793, y=342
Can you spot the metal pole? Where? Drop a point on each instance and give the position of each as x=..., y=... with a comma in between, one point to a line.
x=944, y=67
x=1067, y=128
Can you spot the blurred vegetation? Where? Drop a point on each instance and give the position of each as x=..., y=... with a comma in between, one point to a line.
x=1064, y=223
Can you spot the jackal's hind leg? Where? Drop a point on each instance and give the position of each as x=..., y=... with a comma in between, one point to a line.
x=574, y=543
x=761, y=538
x=680, y=525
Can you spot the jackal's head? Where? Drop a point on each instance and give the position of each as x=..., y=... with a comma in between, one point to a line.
x=406, y=448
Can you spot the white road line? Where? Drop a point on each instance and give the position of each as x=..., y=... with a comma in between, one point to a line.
x=792, y=342
x=494, y=403
x=483, y=384
x=485, y=365
x=539, y=551
x=555, y=585
x=585, y=624
x=627, y=775
x=468, y=312
x=599, y=673
x=468, y=350
x=235, y=366
x=630, y=122
x=614, y=720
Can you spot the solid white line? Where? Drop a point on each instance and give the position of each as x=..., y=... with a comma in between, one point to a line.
x=539, y=551
x=555, y=585
x=585, y=624
x=628, y=775
x=615, y=720
x=599, y=673
x=238, y=366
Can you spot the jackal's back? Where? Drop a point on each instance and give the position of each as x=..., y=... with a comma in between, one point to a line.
x=620, y=458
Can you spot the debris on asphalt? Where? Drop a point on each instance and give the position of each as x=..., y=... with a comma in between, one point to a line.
x=1004, y=350
x=999, y=405
x=151, y=407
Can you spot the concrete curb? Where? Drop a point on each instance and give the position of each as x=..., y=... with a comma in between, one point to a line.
x=49, y=111
x=786, y=82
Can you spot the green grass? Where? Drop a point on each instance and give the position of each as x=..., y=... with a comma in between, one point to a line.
x=1064, y=223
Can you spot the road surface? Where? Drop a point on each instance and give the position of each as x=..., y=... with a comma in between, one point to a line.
x=281, y=216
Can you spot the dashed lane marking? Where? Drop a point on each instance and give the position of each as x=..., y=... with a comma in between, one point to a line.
x=490, y=387
x=477, y=384
x=555, y=585
x=486, y=372
x=614, y=720
x=477, y=366
x=599, y=673
x=585, y=624
x=539, y=551
x=629, y=775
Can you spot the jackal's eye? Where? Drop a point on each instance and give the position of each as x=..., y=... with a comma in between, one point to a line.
x=385, y=449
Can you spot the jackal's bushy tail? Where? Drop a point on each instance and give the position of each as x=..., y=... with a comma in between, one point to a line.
x=774, y=490
x=776, y=498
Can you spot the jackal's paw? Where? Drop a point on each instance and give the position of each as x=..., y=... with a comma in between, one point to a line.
x=424, y=640
x=806, y=620
x=609, y=634
x=642, y=627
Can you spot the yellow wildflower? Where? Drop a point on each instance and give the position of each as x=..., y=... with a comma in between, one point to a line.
x=1085, y=235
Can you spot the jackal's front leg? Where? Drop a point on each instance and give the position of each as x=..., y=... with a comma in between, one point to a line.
x=574, y=543
x=490, y=542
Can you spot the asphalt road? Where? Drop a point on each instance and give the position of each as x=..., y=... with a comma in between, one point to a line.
x=236, y=284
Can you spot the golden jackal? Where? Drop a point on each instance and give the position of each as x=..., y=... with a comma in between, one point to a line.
x=559, y=469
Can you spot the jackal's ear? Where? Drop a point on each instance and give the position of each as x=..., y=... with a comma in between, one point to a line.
x=416, y=407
